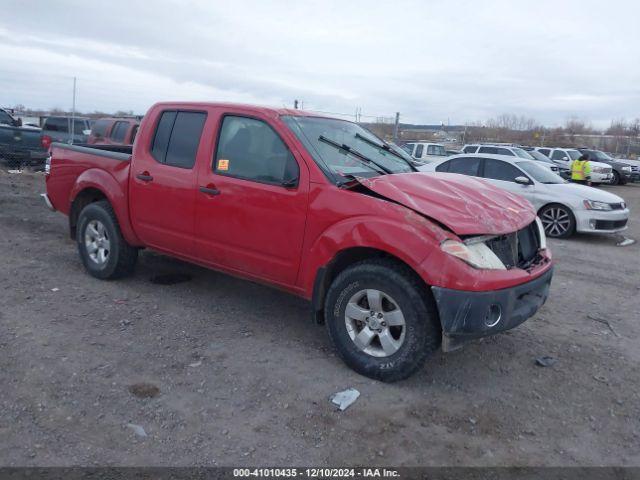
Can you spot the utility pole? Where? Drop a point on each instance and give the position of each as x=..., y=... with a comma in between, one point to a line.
x=395, y=128
x=73, y=113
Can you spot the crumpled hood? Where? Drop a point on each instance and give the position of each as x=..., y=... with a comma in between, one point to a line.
x=464, y=204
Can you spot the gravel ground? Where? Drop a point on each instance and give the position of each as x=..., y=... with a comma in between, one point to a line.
x=219, y=371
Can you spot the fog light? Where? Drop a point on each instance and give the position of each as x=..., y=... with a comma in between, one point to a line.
x=494, y=314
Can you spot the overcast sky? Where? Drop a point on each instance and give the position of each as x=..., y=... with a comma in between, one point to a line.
x=457, y=61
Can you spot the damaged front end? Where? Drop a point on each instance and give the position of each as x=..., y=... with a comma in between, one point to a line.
x=467, y=315
x=495, y=250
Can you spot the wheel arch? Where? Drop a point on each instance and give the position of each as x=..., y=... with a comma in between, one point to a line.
x=96, y=185
x=343, y=260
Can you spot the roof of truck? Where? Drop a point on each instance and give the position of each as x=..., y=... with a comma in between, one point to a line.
x=248, y=107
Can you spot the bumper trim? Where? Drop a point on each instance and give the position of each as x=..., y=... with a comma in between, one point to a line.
x=47, y=202
x=468, y=315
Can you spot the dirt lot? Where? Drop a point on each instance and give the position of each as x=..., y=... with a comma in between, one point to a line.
x=244, y=377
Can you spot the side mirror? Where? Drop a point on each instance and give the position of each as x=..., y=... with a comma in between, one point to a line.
x=86, y=132
x=566, y=159
x=522, y=180
x=290, y=183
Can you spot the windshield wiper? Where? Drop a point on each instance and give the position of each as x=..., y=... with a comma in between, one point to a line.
x=364, y=159
x=386, y=147
x=349, y=181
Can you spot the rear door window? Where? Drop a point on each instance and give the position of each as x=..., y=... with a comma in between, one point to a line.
x=505, y=151
x=54, y=124
x=177, y=138
x=119, y=131
x=544, y=151
x=470, y=149
x=99, y=128
x=443, y=167
x=465, y=166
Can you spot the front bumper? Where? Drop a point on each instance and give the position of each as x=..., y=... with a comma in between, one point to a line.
x=600, y=177
x=466, y=315
x=47, y=202
x=605, y=221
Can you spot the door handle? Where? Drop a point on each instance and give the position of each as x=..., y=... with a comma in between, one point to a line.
x=210, y=190
x=144, y=176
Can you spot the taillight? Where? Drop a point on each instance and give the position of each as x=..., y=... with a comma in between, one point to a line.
x=46, y=141
x=47, y=165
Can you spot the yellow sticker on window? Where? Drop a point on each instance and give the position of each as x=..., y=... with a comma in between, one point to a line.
x=223, y=164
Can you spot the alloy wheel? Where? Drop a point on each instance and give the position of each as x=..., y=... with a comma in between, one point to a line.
x=556, y=221
x=375, y=323
x=96, y=241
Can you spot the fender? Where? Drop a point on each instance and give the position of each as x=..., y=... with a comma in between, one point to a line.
x=412, y=239
x=116, y=195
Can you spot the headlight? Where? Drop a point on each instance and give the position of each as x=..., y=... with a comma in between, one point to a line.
x=626, y=169
x=478, y=255
x=593, y=205
x=541, y=233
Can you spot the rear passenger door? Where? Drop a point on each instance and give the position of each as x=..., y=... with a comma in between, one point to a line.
x=163, y=184
x=252, y=200
x=469, y=166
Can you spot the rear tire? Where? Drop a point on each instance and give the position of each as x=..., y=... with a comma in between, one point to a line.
x=104, y=252
x=401, y=334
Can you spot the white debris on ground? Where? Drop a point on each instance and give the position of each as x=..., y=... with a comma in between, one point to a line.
x=625, y=242
x=137, y=429
x=345, y=398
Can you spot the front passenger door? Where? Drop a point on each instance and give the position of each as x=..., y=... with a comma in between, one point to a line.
x=503, y=175
x=252, y=203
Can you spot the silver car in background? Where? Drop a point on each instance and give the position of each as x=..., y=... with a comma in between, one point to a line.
x=563, y=207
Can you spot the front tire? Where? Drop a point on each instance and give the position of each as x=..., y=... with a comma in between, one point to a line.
x=558, y=221
x=104, y=252
x=381, y=319
x=615, y=180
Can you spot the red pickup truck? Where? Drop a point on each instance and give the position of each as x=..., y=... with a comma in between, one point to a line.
x=395, y=262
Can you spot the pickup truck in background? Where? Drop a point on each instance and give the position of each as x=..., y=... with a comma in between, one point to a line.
x=20, y=146
x=394, y=262
x=58, y=128
x=114, y=131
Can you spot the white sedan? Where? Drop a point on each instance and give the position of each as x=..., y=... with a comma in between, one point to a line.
x=563, y=207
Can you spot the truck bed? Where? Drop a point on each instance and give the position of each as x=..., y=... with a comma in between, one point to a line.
x=81, y=166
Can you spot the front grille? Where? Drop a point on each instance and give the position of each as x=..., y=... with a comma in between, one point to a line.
x=518, y=249
x=635, y=168
x=609, y=224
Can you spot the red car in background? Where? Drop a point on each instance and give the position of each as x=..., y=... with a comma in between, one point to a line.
x=114, y=131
